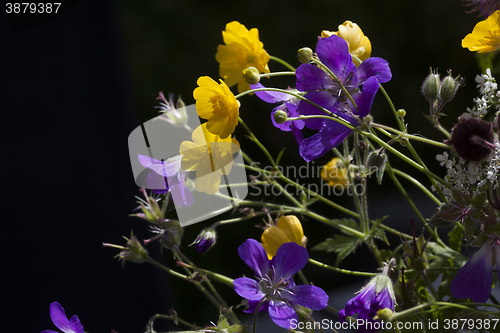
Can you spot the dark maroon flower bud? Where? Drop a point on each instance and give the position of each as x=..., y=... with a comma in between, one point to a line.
x=472, y=139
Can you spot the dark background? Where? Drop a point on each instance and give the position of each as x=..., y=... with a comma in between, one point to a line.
x=74, y=85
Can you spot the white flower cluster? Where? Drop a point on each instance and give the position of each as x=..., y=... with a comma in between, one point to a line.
x=469, y=178
x=489, y=95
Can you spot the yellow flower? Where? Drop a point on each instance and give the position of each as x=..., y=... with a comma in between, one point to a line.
x=216, y=103
x=288, y=230
x=208, y=155
x=243, y=49
x=335, y=174
x=359, y=44
x=485, y=36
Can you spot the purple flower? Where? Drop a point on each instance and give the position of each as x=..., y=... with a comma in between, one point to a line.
x=205, y=240
x=289, y=105
x=59, y=319
x=485, y=7
x=474, y=279
x=376, y=295
x=362, y=83
x=168, y=175
x=274, y=286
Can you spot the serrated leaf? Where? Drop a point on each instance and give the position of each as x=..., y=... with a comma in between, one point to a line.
x=342, y=245
x=348, y=223
x=380, y=234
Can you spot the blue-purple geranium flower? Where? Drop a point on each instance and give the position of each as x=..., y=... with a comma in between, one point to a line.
x=274, y=286
x=168, y=175
x=362, y=83
x=288, y=104
x=378, y=294
x=474, y=279
x=59, y=319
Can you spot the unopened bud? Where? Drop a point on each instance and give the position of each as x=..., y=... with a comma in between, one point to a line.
x=280, y=116
x=172, y=236
x=251, y=75
x=430, y=87
x=449, y=87
x=377, y=161
x=134, y=251
x=385, y=315
x=305, y=55
x=205, y=240
x=401, y=113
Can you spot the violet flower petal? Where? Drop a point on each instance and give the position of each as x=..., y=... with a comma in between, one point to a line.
x=474, y=279
x=310, y=78
x=75, y=325
x=367, y=317
x=252, y=306
x=165, y=168
x=311, y=297
x=270, y=96
x=59, y=318
x=282, y=314
x=254, y=255
x=290, y=258
x=334, y=53
x=248, y=288
x=374, y=67
x=312, y=147
x=364, y=99
x=181, y=194
x=323, y=99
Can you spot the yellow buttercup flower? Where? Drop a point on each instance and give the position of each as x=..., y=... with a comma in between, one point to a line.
x=359, y=44
x=485, y=36
x=216, y=103
x=208, y=155
x=334, y=173
x=288, y=230
x=243, y=49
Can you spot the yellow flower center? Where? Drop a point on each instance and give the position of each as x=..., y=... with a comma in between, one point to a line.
x=219, y=105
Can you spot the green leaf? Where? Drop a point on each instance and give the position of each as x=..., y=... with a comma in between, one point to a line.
x=342, y=245
x=348, y=223
x=455, y=237
x=380, y=234
x=278, y=159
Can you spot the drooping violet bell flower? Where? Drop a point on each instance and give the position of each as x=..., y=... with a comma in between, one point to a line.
x=168, y=175
x=289, y=105
x=59, y=319
x=378, y=294
x=474, y=279
x=362, y=83
x=274, y=287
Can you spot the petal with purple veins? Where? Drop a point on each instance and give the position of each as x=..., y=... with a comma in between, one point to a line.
x=59, y=318
x=364, y=99
x=374, y=67
x=282, y=314
x=290, y=258
x=248, y=288
x=254, y=255
x=324, y=99
x=311, y=297
x=334, y=53
x=270, y=96
x=310, y=78
x=474, y=279
x=75, y=324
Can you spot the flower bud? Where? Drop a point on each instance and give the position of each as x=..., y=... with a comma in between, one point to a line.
x=280, y=116
x=305, y=55
x=386, y=315
x=430, y=87
x=401, y=113
x=176, y=116
x=251, y=75
x=472, y=139
x=134, y=251
x=205, y=240
x=449, y=87
x=377, y=161
x=172, y=235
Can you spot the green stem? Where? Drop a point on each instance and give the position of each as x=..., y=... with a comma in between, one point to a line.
x=417, y=184
x=173, y=318
x=283, y=62
x=383, y=129
x=340, y=270
x=276, y=74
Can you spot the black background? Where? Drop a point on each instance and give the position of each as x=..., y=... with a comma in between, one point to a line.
x=74, y=85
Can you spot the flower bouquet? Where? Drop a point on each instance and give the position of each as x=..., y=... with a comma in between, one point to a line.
x=423, y=283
